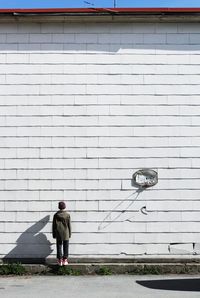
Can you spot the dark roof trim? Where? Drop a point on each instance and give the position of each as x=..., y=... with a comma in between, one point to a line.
x=99, y=10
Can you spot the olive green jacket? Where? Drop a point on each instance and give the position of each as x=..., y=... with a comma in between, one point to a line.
x=61, y=228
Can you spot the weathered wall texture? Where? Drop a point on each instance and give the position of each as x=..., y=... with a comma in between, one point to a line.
x=82, y=108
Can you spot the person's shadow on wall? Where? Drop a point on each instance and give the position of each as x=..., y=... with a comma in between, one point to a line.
x=32, y=245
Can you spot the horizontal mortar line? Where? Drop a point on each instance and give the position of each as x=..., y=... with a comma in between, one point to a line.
x=103, y=168
x=143, y=201
x=124, y=232
x=99, y=232
x=86, y=104
x=106, y=200
x=92, y=189
x=86, y=115
x=118, y=63
x=90, y=168
x=96, y=126
x=99, y=104
x=114, y=221
x=64, y=72
x=94, y=64
x=30, y=213
x=95, y=168
x=108, y=254
x=119, y=254
x=94, y=94
x=95, y=147
x=90, y=179
x=133, y=242
x=86, y=158
x=99, y=126
x=96, y=44
x=84, y=169
x=100, y=84
x=32, y=57
x=97, y=211
x=86, y=200
x=111, y=222
x=50, y=74
x=130, y=73
x=104, y=232
x=121, y=199
x=109, y=52
x=61, y=64
x=127, y=95
x=95, y=190
x=98, y=136
x=100, y=243
x=97, y=119
x=97, y=158
x=97, y=34
x=170, y=222
x=111, y=105
x=98, y=73
x=52, y=147
x=122, y=102
x=61, y=179
x=103, y=125
x=98, y=115
x=102, y=210
x=50, y=212
x=114, y=243
x=86, y=51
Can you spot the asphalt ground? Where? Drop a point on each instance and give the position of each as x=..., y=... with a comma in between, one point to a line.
x=115, y=286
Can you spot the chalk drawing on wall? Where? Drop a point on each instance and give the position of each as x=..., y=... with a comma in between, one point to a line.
x=142, y=179
x=104, y=224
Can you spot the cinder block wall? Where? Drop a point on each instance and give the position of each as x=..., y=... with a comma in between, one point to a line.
x=84, y=106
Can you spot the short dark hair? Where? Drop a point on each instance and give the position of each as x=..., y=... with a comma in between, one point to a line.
x=61, y=205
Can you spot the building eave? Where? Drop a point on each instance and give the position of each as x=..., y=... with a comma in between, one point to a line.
x=99, y=10
x=101, y=14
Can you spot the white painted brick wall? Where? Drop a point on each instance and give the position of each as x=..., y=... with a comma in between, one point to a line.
x=81, y=109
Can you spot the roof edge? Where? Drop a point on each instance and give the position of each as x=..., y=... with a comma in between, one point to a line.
x=100, y=15
x=120, y=10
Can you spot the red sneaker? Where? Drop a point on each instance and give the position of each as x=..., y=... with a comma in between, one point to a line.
x=65, y=262
x=59, y=262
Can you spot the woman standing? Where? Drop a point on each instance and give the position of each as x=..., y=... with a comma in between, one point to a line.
x=62, y=232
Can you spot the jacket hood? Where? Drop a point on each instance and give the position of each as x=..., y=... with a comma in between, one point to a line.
x=62, y=215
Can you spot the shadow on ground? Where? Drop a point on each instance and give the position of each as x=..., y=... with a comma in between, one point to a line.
x=190, y=284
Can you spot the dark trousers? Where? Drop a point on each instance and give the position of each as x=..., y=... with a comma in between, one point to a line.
x=62, y=248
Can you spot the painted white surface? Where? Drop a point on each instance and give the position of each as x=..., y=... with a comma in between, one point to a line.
x=82, y=107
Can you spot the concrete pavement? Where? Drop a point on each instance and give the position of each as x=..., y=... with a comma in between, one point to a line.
x=116, y=286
